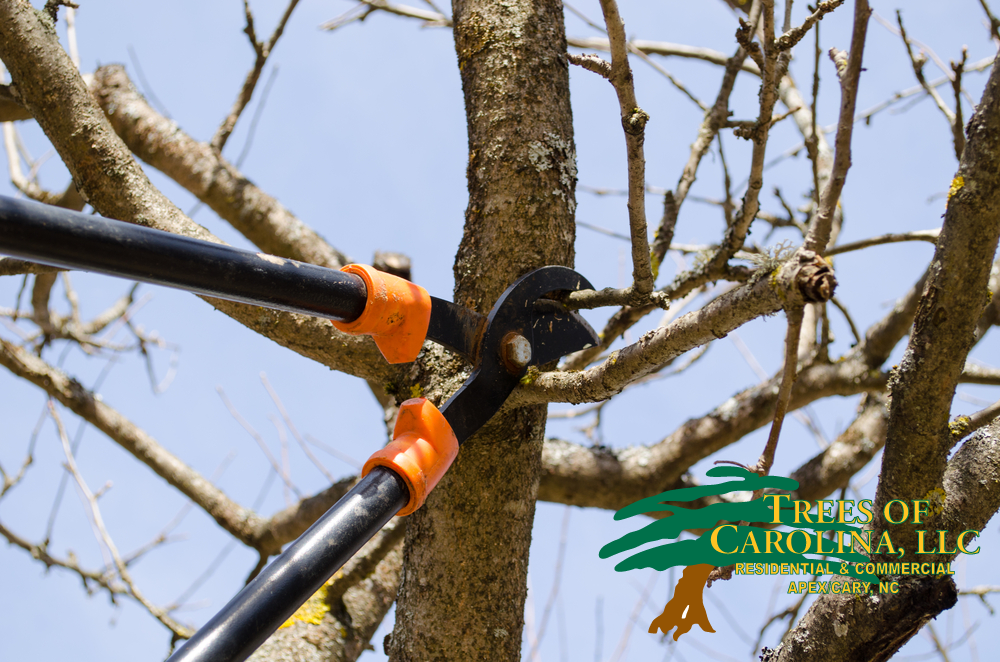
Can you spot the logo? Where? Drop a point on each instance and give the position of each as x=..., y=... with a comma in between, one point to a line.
x=821, y=541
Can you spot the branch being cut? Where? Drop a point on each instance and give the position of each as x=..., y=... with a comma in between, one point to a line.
x=805, y=275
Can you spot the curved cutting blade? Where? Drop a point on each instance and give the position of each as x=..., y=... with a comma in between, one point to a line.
x=552, y=331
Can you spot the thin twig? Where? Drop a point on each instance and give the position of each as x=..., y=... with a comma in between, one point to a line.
x=958, y=125
x=847, y=316
x=262, y=51
x=766, y=460
x=71, y=45
x=937, y=643
x=260, y=441
x=291, y=426
x=849, y=73
x=634, y=123
x=994, y=22
x=919, y=235
x=556, y=580
x=634, y=617
x=962, y=426
x=918, y=62
x=98, y=521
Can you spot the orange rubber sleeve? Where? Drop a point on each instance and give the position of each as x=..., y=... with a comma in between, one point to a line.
x=423, y=446
x=397, y=314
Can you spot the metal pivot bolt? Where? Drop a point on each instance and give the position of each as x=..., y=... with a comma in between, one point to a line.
x=516, y=352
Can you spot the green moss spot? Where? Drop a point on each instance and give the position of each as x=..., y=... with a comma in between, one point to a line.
x=530, y=376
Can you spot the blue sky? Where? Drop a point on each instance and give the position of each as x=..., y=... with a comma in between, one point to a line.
x=363, y=137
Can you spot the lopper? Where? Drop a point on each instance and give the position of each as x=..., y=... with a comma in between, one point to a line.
x=524, y=328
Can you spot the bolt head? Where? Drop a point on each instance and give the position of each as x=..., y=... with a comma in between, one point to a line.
x=516, y=352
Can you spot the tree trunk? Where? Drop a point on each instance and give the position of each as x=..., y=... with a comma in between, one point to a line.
x=466, y=551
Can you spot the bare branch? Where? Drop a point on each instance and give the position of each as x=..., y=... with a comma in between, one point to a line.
x=64, y=107
x=104, y=538
x=793, y=36
x=963, y=426
x=206, y=175
x=976, y=374
x=958, y=125
x=994, y=22
x=262, y=52
x=850, y=74
x=592, y=63
x=919, y=437
x=918, y=62
x=233, y=518
x=766, y=460
x=920, y=235
x=430, y=18
x=805, y=274
x=600, y=477
x=634, y=122
x=663, y=48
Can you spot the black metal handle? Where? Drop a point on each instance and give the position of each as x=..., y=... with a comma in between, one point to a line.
x=273, y=596
x=62, y=238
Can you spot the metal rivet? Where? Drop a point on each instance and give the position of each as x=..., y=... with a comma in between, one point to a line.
x=516, y=352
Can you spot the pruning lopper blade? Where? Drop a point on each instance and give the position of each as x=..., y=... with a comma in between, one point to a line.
x=523, y=329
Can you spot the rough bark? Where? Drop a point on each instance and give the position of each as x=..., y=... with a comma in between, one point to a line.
x=918, y=440
x=466, y=551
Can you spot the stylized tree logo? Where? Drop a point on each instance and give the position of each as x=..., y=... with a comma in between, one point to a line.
x=727, y=539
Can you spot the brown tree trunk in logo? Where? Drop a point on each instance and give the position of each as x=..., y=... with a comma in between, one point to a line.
x=686, y=607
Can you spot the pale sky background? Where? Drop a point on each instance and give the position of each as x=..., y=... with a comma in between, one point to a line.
x=363, y=137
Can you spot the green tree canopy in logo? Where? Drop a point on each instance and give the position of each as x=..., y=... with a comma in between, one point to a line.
x=734, y=541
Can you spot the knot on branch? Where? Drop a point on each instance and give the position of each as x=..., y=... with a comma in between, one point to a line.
x=840, y=60
x=815, y=277
x=635, y=122
x=744, y=37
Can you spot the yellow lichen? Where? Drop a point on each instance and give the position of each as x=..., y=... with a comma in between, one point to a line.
x=654, y=264
x=530, y=376
x=960, y=426
x=416, y=391
x=936, y=499
x=956, y=186
x=314, y=609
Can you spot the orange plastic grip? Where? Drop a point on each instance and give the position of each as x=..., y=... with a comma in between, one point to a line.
x=397, y=314
x=423, y=447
